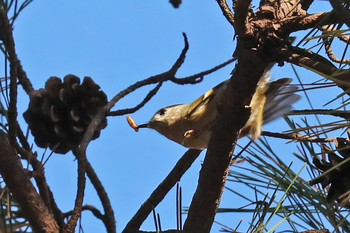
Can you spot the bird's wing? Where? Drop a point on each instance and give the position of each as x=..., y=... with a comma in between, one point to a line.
x=197, y=107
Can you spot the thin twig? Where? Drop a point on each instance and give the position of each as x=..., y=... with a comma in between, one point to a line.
x=12, y=110
x=328, y=47
x=331, y=112
x=31, y=203
x=298, y=137
x=14, y=63
x=80, y=152
x=331, y=54
x=180, y=59
x=186, y=80
x=316, y=231
x=163, y=188
x=7, y=37
x=108, y=218
x=137, y=107
x=199, y=76
x=168, y=75
x=163, y=231
x=91, y=208
x=39, y=176
x=82, y=161
x=40, y=179
x=226, y=11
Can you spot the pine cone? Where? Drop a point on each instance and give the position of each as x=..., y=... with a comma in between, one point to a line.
x=59, y=114
x=338, y=178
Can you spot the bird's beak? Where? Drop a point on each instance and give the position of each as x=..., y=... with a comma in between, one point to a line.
x=146, y=125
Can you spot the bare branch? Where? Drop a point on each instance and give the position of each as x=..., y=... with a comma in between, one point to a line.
x=298, y=137
x=82, y=161
x=342, y=10
x=40, y=179
x=331, y=112
x=316, y=231
x=331, y=54
x=108, y=217
x=226, y=11
x=163, y=188
x=12, y=111
x=7, y=37
x=163, y=231
x=100, y=115
x=169, y=75
x=80, y=152
x=241, y=8
x=303, y=22
x=328, y=48
x=140, y=105
x=91, y=208
x=38, y=214
x=308, y=59
x=199, y=76
x=186, y=80
x=320, y=65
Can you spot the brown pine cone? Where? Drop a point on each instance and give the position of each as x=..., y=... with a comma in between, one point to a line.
x=59, y=114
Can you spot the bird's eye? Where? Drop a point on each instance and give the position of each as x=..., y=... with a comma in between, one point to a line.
x=161, y=112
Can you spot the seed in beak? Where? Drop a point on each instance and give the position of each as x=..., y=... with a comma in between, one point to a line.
x=132, y=123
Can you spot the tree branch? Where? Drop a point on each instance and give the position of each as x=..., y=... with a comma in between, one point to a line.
x=108, y=218
x=186, y=80
x=241, y=8
x=82, y=161
x=7, y=37
x=298, y=137
x=38, y=214
x=232, y=116
x=40, y=179
x=318, y=64
x=91, y=208
x=306, y=58
x=331, y=54
x=328, y=47
x=163, y=188
x=304, y=22
x=12, y=110
x=199, y=76
x=342, y=10
x=330, y=112
x=80, y=152
x=316, y=231
x=140, y=105
x=226, y=11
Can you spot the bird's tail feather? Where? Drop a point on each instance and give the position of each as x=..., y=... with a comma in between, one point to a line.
x=280, y=96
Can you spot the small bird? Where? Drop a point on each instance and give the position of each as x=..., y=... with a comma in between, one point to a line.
x=190, y=124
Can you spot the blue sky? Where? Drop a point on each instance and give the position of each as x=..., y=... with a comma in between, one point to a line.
x=118, y=43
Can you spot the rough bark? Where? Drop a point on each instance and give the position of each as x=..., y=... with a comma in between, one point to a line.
x=37, y=213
